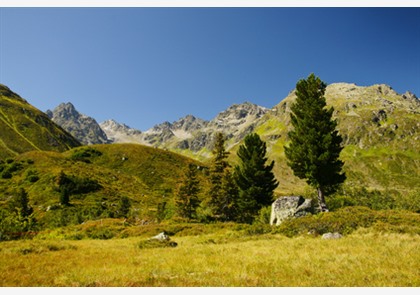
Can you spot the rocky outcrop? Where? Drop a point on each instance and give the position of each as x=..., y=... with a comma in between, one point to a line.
x=83, y=128
x=289, y=207
x=121, y=133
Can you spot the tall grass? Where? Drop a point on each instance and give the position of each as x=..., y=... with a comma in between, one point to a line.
x=364, y=258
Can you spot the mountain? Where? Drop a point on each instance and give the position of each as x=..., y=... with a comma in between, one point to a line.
x=82, y=127
x=191, y=135
x=25, y=128
x=194, y=137
x=120, y=133
x=380, y=130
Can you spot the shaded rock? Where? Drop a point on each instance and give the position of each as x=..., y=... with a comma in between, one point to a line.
x=289, y=207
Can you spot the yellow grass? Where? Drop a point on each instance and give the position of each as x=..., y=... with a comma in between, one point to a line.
x=361, y=259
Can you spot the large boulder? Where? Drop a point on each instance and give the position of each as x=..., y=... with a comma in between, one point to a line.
x=289, y=207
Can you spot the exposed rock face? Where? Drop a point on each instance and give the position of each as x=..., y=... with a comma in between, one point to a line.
x=121, y=133
x=83, y=128
x=289, y=207
x=194, y=134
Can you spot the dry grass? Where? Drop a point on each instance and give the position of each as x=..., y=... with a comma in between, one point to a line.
x=361, y=259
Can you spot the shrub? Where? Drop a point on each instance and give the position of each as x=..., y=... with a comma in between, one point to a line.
x=154, y=243
x=85, y=154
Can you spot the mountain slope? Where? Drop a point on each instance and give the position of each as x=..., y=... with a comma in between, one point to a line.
x=120, y=133
x=106, y=173
x=82, y=127
x=25, y=128
x=380, y=129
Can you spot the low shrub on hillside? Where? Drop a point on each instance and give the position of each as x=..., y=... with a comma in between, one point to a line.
x=348, y=219
x=85, y=154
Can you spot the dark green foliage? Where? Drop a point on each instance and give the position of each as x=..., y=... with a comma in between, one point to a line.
x=32, y=176
x=20, y=204
x=187, y=200
x=18, y=222
x=315, y=145
x=124, y=205
x=223, y=192
x=255, y=179
x=85, y=154
x=71, y=185
x=9, y=167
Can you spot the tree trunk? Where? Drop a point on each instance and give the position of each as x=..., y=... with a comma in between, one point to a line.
x=321, y=200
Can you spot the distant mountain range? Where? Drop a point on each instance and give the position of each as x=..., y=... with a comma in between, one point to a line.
x=380, y=128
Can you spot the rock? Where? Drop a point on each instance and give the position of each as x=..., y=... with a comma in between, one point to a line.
x=161, y=237
x=331, y=236
x=289, y=207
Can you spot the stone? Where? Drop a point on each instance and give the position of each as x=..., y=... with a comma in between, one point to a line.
x=331, y=236
x=289, y=207
x=161, y=237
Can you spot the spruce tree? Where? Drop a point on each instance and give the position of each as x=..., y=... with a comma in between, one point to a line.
x=20, y=204
x=187, y=199
x=223, y=192
x=254, y=178
x=315, y=145
x=124, y=205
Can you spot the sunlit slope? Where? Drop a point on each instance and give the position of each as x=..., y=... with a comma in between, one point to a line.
x=25, y=128
x=381, y=135
x=146, y=175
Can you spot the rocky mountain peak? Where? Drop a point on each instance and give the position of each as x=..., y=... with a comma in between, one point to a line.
x=83, y=128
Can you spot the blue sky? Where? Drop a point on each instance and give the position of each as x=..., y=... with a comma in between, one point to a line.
x=143, y=66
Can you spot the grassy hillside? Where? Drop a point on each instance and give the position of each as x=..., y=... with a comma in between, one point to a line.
x=25, y=128
x=103, y=175
x=381, y=132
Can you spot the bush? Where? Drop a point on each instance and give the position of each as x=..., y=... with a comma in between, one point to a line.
x=85, y=154
x=154, y=243
x=344, y=221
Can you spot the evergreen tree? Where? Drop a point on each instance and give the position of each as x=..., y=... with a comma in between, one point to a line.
x=124, y=206
x=254, y=178
x=20, y=204
x=223, y=191
x=187, y=200
x=315, y=145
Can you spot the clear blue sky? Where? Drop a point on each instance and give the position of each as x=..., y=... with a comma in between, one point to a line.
x=143, y=66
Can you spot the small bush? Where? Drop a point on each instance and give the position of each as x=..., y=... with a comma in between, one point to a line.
x=154, y=243
x=85, y=154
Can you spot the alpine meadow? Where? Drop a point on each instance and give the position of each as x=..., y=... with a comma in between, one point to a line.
x=99, y=208
x=210, y=147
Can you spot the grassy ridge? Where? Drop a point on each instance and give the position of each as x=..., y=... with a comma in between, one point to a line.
x=147, y=176
x=25, y=128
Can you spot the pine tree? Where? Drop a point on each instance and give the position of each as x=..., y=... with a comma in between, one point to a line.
x=124, y=206
x=223, y=192
x=20, y=204
x=315, y=145
x=187, y=199
x=254, y=178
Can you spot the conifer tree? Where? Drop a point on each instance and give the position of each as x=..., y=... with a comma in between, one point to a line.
x=223, y=192
x=255, y=179
x=124, y=205
x=315, y=145
x=187, y=199
x=20, y=204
